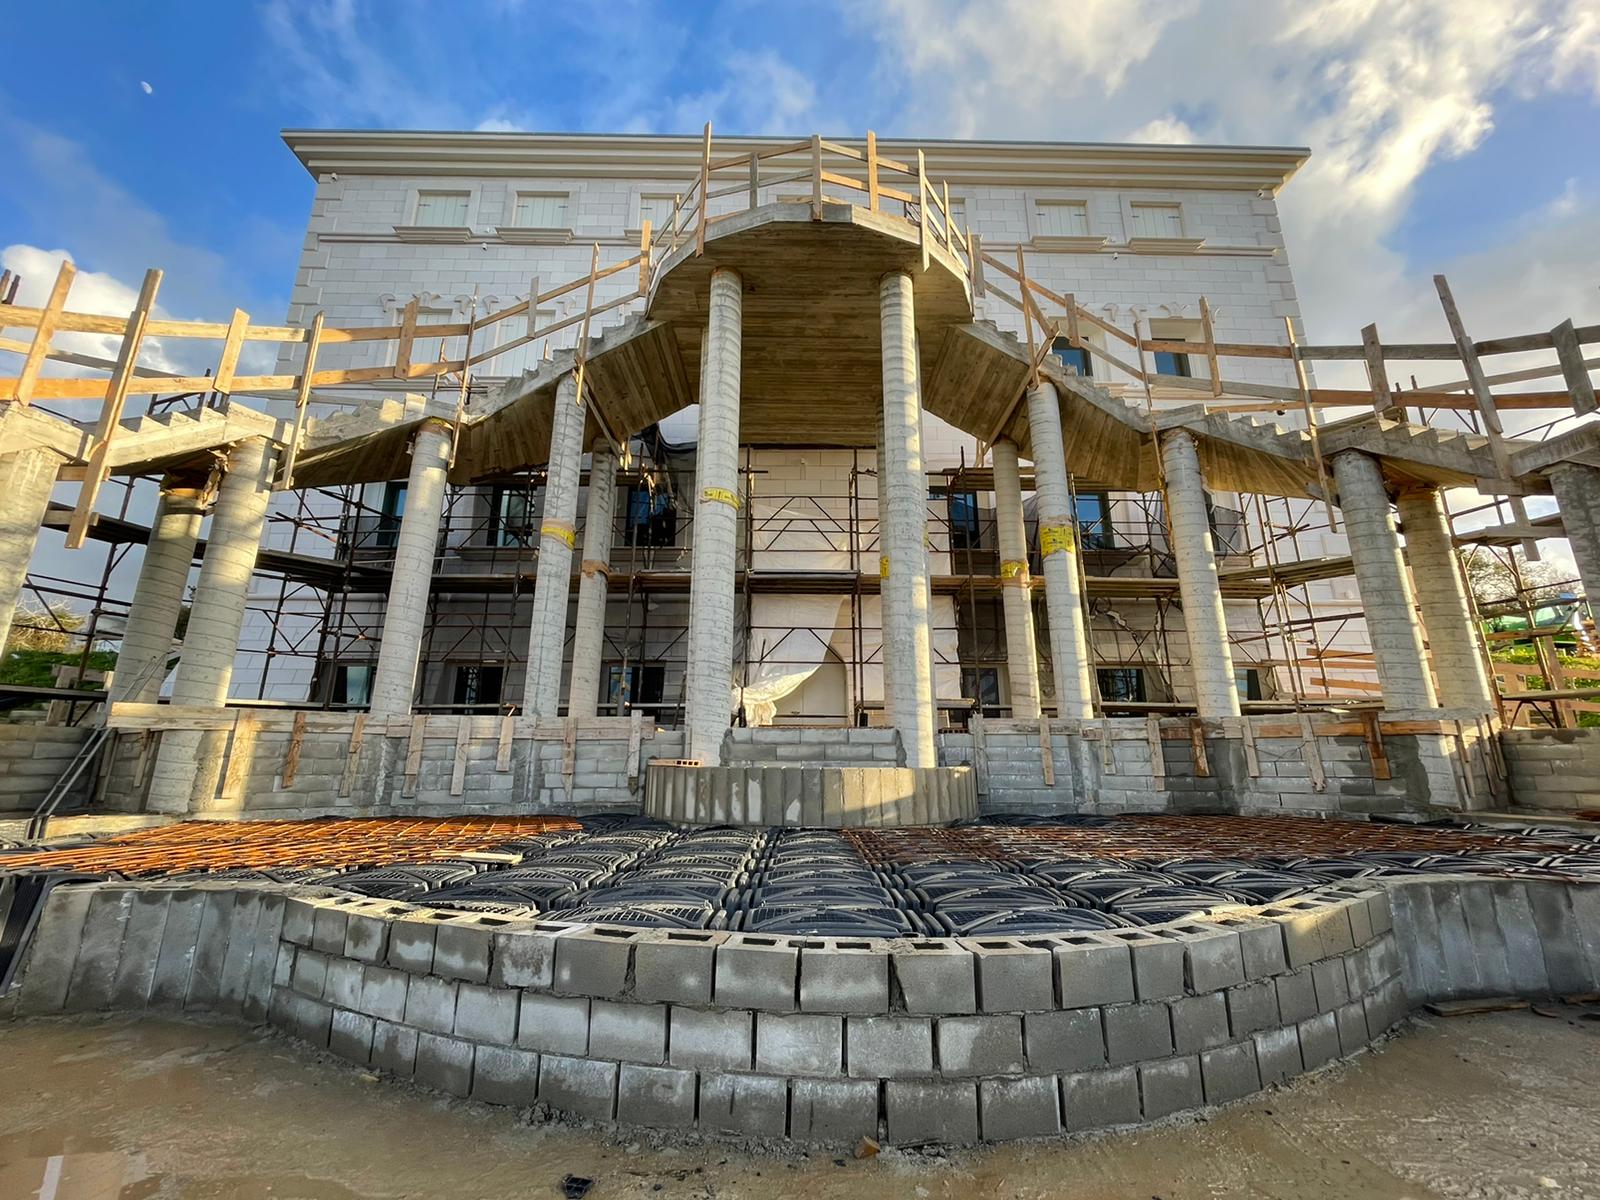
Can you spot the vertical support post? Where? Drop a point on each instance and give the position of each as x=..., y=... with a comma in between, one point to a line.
x=1381, y=578
x=405, y=615
x=547, y=633
x=1022, y=655
x=705, y=187
x=1577, y=489
x=903, y=499
x=185, y=775
x=1058, y=548
x=158, y=595
x=1210, y=656
x=588, y=633
x=26, y=480
x=49, y=318
x=709, y=686
x=873, y=194
x=755, y=180
x=1463, y=681
x=816, y=177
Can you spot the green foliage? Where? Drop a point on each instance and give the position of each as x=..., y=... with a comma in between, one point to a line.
x=36, y=668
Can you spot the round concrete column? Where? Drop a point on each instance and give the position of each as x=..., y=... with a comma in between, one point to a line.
x=708, y=688
x=1381, y=578
x=405, y=615
x=1577, y=489
x=158, y=596
x=552, y=584
x=184, y=777
x=1022, y=656
x=903, y=530
x=1446, y=613
x=1216, y=691
x=589, y=633
x=1058, y=547
x=26, y=480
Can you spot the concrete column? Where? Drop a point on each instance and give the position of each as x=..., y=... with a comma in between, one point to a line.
x=709, y=686
x=1022, y=655
x=1063, y=588
x=552, y=585
x=26, y=479
x=1216, y=691
x=1577, y=489
x=903, y=529
x=885, y=617
x=589, y=634
x=405, y=614
x=158, y=595
x=184, y=777
x=1463, y=681
x=1381, y=578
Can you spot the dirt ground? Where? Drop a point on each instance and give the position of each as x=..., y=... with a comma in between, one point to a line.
x=1485, y=1107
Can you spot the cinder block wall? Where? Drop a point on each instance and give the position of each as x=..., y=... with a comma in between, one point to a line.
x=32, y=758
x=1557, y=769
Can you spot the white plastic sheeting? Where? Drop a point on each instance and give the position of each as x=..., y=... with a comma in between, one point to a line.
x=789, y=639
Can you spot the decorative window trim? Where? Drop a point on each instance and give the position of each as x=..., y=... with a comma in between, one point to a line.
x=1186, y=244
x=534, y=235
x=1046, y=241
x=411, y=231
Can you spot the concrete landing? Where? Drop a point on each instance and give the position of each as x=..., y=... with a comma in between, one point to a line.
x=809, y=795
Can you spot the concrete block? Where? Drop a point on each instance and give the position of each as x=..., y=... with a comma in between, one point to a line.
x=1252, y=1006
x=328, y=927
x=710, y=1040
x=47, y=975
x=833, y=1110
x=100, y=948
x=751, y=1105
x=917, y=1113
x=1319, y=1040
x=843, y=977
x=350, y=1036
x=980, y=1045
x=175, y=960
x=394, y=1048
x=383, y=993
x=411, y=941
x=462, y=946
x=756, y=972
x=343, y=983
x=1518, y=933
x=1157, y=964
x=1013, y=975
x=1135, y=1032
x=581, y=1086
x=1230, y=1072
x=594, y=961
x=1093, y=970
x=800, y=1044
x=635, y=1032
x=1173, y=1085
x=299, y=916
x=1329, y=984
x=430, y=1003
x=263, y=959
x=1351, y=1020
x=366, y=936
x=675, y=965
x=935, y=978
x=141, y=946
x=310, y=974
x=505, y=1075
x=1278, y=1054
x=1068, y=1040
x=1019, y=1108
x=657, y=1096
x=444, y=1063
x=301, y=1016
x=888, y=1047
x=554, y=1024
x=1100, y=1099
x=1566, y=966
x=1212, y=957
x=1199, y=1022
x=486, y=1014
x=1297, y=996
x=1313, y=930
x=526, y=956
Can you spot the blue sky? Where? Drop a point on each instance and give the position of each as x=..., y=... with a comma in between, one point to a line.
x=1456, y=135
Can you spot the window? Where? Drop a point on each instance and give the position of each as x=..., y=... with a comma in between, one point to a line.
x=1092, y=513
x=652, y=519
x=477, y=686
x=646, y=683
x=540, y=210
x=443, y=208
x=1156, y=220
x=1071, y=356
x=1248, y=682
x=983, y=685
x=349, y=683
x=390, y=511
x=1062, y=218
x=1121, y=685
x=658, y=211
x=511, y=516
x=1170, y=363
x=964, y=532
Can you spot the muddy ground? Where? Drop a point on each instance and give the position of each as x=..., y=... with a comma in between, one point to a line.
x=1502, y=1105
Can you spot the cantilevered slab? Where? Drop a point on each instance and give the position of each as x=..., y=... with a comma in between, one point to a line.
x=370, y=445
x=812, y=364
x=1417, y=454
x=1580, y=445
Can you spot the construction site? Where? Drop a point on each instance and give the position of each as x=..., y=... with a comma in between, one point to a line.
x=812, y=639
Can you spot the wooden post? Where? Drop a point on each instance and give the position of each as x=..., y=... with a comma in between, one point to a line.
x=922, y=209
x=705, y=186
x=419, y=735
x=1047, y=754
x=291, y=758
x=228, y=363
x=302, y=399
x=458, y=772
x=1323, y=483
x=406, y=340
x=872, y=171
x=1158, y=759
x=816, y=177
x=1570, y=354
x=644, y=255
x=1027, y=318
x=352, y=757
x=1211, y=346
x=1074, y=334
x=1311, y=756
x=755, y=180
x=1377, y=373
x=94, y=473
x=45, y=329
x=975, y=246
x=583, y=330
x=502, y=756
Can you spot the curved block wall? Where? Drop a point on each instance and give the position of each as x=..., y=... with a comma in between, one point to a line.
x=810, y=796
x=952, y=1040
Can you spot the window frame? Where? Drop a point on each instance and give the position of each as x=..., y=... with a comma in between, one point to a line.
x=418, y=194
x=514, y=202
x=1126, y=201
x=1095, y=238
x=1132, y=670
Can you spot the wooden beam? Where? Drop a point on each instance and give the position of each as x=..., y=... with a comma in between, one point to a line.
x=1377, y=372
x=816, y=177
x=116, y=397
x=644, y=255
x=872, y=171
x=1310, y=411
x=1211, y=346
x=588, y=311
x=49, y=316
x=705, y=203
x=232, y=345
x=302, y=399
x=922, y=209
x=408, y=339
x=1573, y=369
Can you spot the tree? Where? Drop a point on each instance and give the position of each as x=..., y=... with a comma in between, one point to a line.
x=1494, y=583
x=48, y=628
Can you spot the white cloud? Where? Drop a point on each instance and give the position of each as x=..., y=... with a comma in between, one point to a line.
x=1164, y=129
